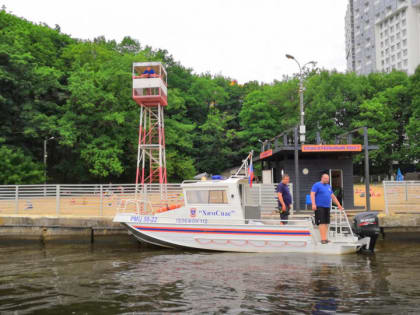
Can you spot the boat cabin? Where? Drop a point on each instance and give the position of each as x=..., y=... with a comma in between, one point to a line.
x=220, y=199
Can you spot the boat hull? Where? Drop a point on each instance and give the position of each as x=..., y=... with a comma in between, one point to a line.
x=239, y=238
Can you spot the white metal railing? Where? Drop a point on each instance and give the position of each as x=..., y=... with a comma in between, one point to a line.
x=265, y=196
x=80, y=200
x=401, y=197
x=339, y=225
x=106, y=199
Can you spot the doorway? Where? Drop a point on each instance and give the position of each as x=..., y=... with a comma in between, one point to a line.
x=267, y=176
x=336, y=182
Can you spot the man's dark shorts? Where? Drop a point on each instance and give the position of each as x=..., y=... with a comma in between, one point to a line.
x=284, y=215
x=322, y=215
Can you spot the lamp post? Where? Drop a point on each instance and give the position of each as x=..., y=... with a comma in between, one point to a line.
x=45, y=162
x=302, y=129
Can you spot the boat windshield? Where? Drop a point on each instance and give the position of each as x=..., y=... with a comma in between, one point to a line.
x=206, y=196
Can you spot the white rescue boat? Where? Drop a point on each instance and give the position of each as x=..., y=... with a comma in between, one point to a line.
x=222, y=215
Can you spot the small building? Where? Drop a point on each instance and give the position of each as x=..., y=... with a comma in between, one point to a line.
x=314, y=160
x=305, y=163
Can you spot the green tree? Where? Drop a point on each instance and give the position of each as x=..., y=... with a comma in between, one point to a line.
x=386, y=115
x=17, y=168
x=79, y=91
x=413, y=125
x=214, y=151
x=332, y=101
x=267, y=112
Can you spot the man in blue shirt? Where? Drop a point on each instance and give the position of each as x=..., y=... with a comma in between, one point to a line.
x=284, y=198
x=148, y=73
x=321, y=197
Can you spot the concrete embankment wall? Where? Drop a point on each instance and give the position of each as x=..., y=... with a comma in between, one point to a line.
x=401, y=223
x=66, y=229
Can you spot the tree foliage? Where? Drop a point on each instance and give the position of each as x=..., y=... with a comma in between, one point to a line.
x=79, y=92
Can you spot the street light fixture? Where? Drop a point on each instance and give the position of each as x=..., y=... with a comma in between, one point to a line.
x=302, y=128
x=45, y=159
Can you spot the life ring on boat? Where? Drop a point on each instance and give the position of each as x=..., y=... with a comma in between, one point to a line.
x=171, y=207
x=163, y=209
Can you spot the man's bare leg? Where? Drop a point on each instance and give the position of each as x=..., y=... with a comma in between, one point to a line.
x=323, y=228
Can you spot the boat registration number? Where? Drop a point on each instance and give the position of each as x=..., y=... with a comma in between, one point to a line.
x=143, y=219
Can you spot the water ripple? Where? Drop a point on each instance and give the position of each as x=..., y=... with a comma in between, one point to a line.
x=125, y=279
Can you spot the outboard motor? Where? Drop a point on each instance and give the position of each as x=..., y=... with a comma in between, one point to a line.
x=367, y=224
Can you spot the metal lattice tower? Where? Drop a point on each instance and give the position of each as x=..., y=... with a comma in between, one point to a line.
x=150, y=92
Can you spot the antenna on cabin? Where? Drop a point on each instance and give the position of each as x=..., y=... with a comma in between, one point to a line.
x=245, y=164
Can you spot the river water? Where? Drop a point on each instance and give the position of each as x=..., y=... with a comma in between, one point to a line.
x=121, y=277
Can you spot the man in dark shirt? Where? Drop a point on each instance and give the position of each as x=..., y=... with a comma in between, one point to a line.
x=284, y=198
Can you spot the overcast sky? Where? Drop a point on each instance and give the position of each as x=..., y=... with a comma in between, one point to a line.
x=242, y=39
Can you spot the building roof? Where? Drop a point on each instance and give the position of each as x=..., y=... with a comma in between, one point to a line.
x=314, y=150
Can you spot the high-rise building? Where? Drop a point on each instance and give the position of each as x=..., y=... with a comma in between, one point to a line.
x=382, y=35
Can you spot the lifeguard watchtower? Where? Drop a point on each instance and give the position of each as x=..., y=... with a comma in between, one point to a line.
x=150, y=92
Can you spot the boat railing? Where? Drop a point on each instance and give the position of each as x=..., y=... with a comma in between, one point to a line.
x=340, y=225
x=148, y=199
x=208, y=180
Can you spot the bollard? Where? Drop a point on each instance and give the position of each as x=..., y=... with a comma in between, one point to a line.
x=57, y=200
x=101, y=199
x=386, y=199
x=17, y=199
